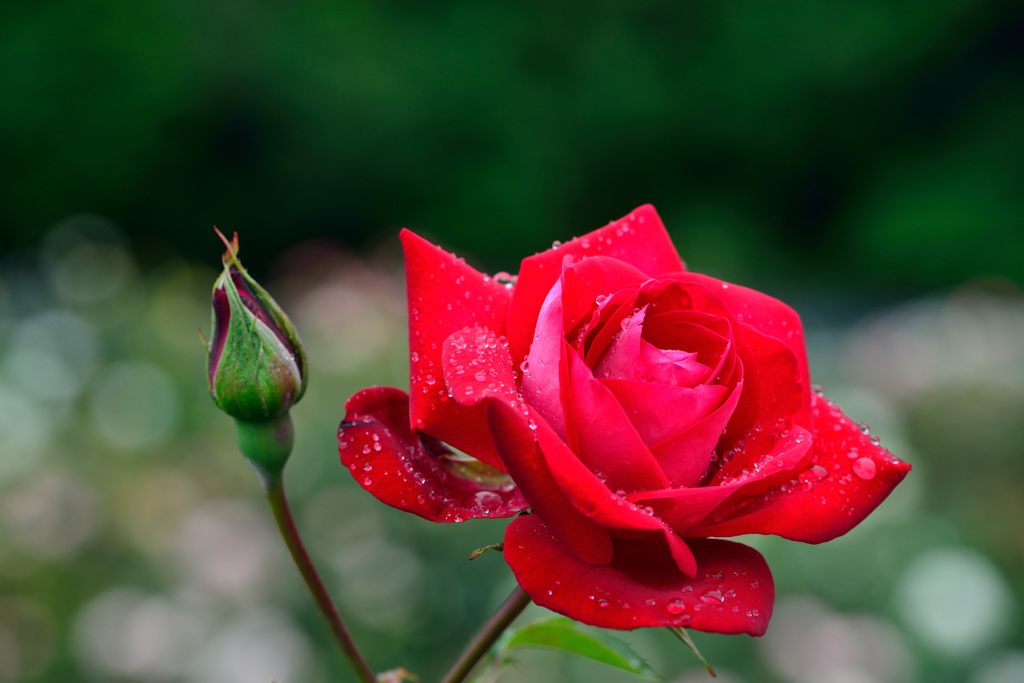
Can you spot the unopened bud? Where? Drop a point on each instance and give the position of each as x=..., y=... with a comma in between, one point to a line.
x=256, y=365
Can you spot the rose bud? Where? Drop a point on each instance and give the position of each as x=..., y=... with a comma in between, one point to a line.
x=256, y=365
x=257, y=368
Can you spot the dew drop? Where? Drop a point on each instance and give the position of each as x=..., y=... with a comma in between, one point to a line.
x=367, y=467
x=809, y=477
x=865, y=468
x=712, y=596
x=367, y=481
x=366, y=449
x=487, y=499
x=676, y=607
x=603, y=604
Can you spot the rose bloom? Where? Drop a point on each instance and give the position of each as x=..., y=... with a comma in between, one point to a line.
x=635, y=409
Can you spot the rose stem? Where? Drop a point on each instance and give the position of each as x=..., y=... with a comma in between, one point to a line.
x=273, y=486
x=491, y=631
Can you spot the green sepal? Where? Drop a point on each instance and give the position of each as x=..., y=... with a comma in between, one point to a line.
x=266, y=444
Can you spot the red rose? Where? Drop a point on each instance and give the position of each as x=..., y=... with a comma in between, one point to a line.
x=636, y=409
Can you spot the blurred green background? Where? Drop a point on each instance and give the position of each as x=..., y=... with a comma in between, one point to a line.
x=862, y=161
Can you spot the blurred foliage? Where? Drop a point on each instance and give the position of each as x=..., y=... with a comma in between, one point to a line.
x=816, y=148
x=862, y=142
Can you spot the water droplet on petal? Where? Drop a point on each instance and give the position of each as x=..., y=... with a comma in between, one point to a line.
x=676, y=607
x=865, y=468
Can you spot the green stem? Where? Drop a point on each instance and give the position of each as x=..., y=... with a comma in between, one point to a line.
x=273, y=486
x=492, y=630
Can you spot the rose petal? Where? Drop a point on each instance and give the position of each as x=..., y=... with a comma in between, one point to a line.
x=766, y=314
x=415, y=472
x=514, y=437
x=852, y=475
x=446, y=295
x=602, y=436
x=541, y=371
x=591, y=281
x=773, y=397
x=673, y=367
x=686, y=457
x=476, y=365
x=685, y=509
x=622, y=359
x=709, y=336
x=733, y=591
x=639, y=239
x=659, y=411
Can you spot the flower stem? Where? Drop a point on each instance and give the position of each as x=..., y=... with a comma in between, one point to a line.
x=492, y=630
x=273, y=486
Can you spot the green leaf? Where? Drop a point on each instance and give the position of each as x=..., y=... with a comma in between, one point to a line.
x=564, y=634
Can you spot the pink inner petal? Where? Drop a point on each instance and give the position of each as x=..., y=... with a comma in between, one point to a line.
x=660, y=411
x=622, y=360
x=671, y=366
x=602, y=436
x=541, y=375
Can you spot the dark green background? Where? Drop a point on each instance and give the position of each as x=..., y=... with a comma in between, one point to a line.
x=868, y=142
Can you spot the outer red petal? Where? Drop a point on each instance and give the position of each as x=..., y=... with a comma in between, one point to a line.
x=514, y=436
x=639, y=239
x=446, y=295
x=686, y=509
x=477, y=365
x=733, y=591
x=852, y=475
x=412, y=471
x=773, y=397
x=592, y=497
